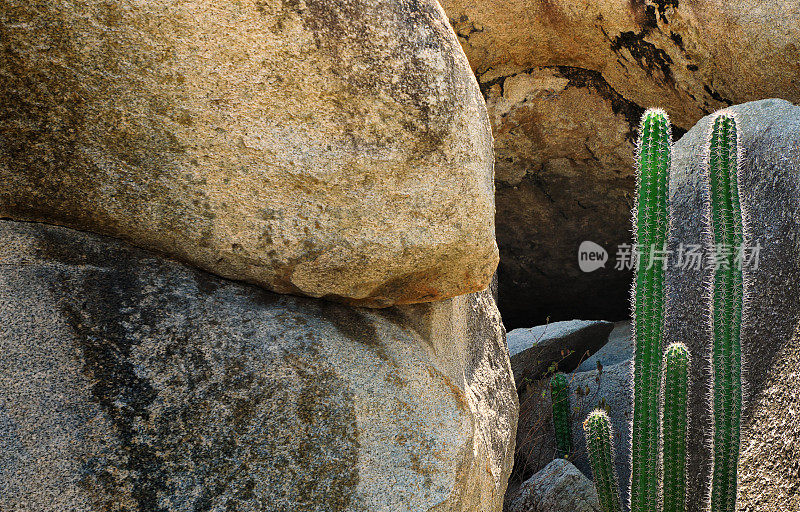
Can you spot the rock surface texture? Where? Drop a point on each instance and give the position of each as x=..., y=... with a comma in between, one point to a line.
x=619, y=348
x=769, y=185
x=130, y=382
x=329, y=149
x=558, y=487
x=565, y=83
x=561, y=346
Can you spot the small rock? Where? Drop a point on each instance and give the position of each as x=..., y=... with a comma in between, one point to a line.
x=534, y=350
x=558, y=487
x=618, y=349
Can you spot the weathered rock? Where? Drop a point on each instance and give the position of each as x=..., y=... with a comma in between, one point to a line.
x=329, y=149
x=563, y=176
x=566, y=83
x=535, y=351
x=130, y=382
x=769, y=471
x=559, y=487
x=619, y=348
x=769, y=185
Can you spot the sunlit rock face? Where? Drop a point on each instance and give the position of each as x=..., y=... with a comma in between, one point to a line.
x=328, y=149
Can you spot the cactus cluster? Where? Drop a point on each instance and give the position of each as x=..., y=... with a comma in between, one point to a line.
x=726, y=223
x=661, y=384
x=562, y=420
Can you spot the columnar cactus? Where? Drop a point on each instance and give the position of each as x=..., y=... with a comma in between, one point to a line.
x=562, y=422
x=650, y=231
x=599, y=438
x=726, y=222
x=675, y=381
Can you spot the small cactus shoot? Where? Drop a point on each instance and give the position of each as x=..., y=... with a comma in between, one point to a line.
x=675, y=379
x=599, y=439
x=562, y=420
x=726, y=223
x=654, y=159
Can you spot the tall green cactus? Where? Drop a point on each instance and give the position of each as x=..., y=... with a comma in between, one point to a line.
x=655, y=144
x=562, y=422
x=599, y=438
x=726, y=222
x=675, y=378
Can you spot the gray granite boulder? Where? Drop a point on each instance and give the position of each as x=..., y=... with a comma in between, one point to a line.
x=130, y=382
x=558, y=487
x=560, y=345
x=769, y=183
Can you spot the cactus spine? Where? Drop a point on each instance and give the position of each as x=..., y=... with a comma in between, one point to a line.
x=648, y=305
x=675, y=378
x=598, y=444
x=561, y=415
x=726, y=222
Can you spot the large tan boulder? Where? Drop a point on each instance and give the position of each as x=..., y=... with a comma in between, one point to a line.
x=329, y=149
x=130, y=382
x=565, y=83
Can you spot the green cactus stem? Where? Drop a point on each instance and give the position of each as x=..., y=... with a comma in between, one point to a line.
x=726, y=222
x=654, y=159
x=562, y=421
x=599, y=439
x=675, y=378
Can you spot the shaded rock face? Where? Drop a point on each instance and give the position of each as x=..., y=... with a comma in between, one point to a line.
x=566, y=83
x=561, y=174
x=329, y=149
x=559, y=346
x=131, y=382
x=769, y=185
x=558, y=487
